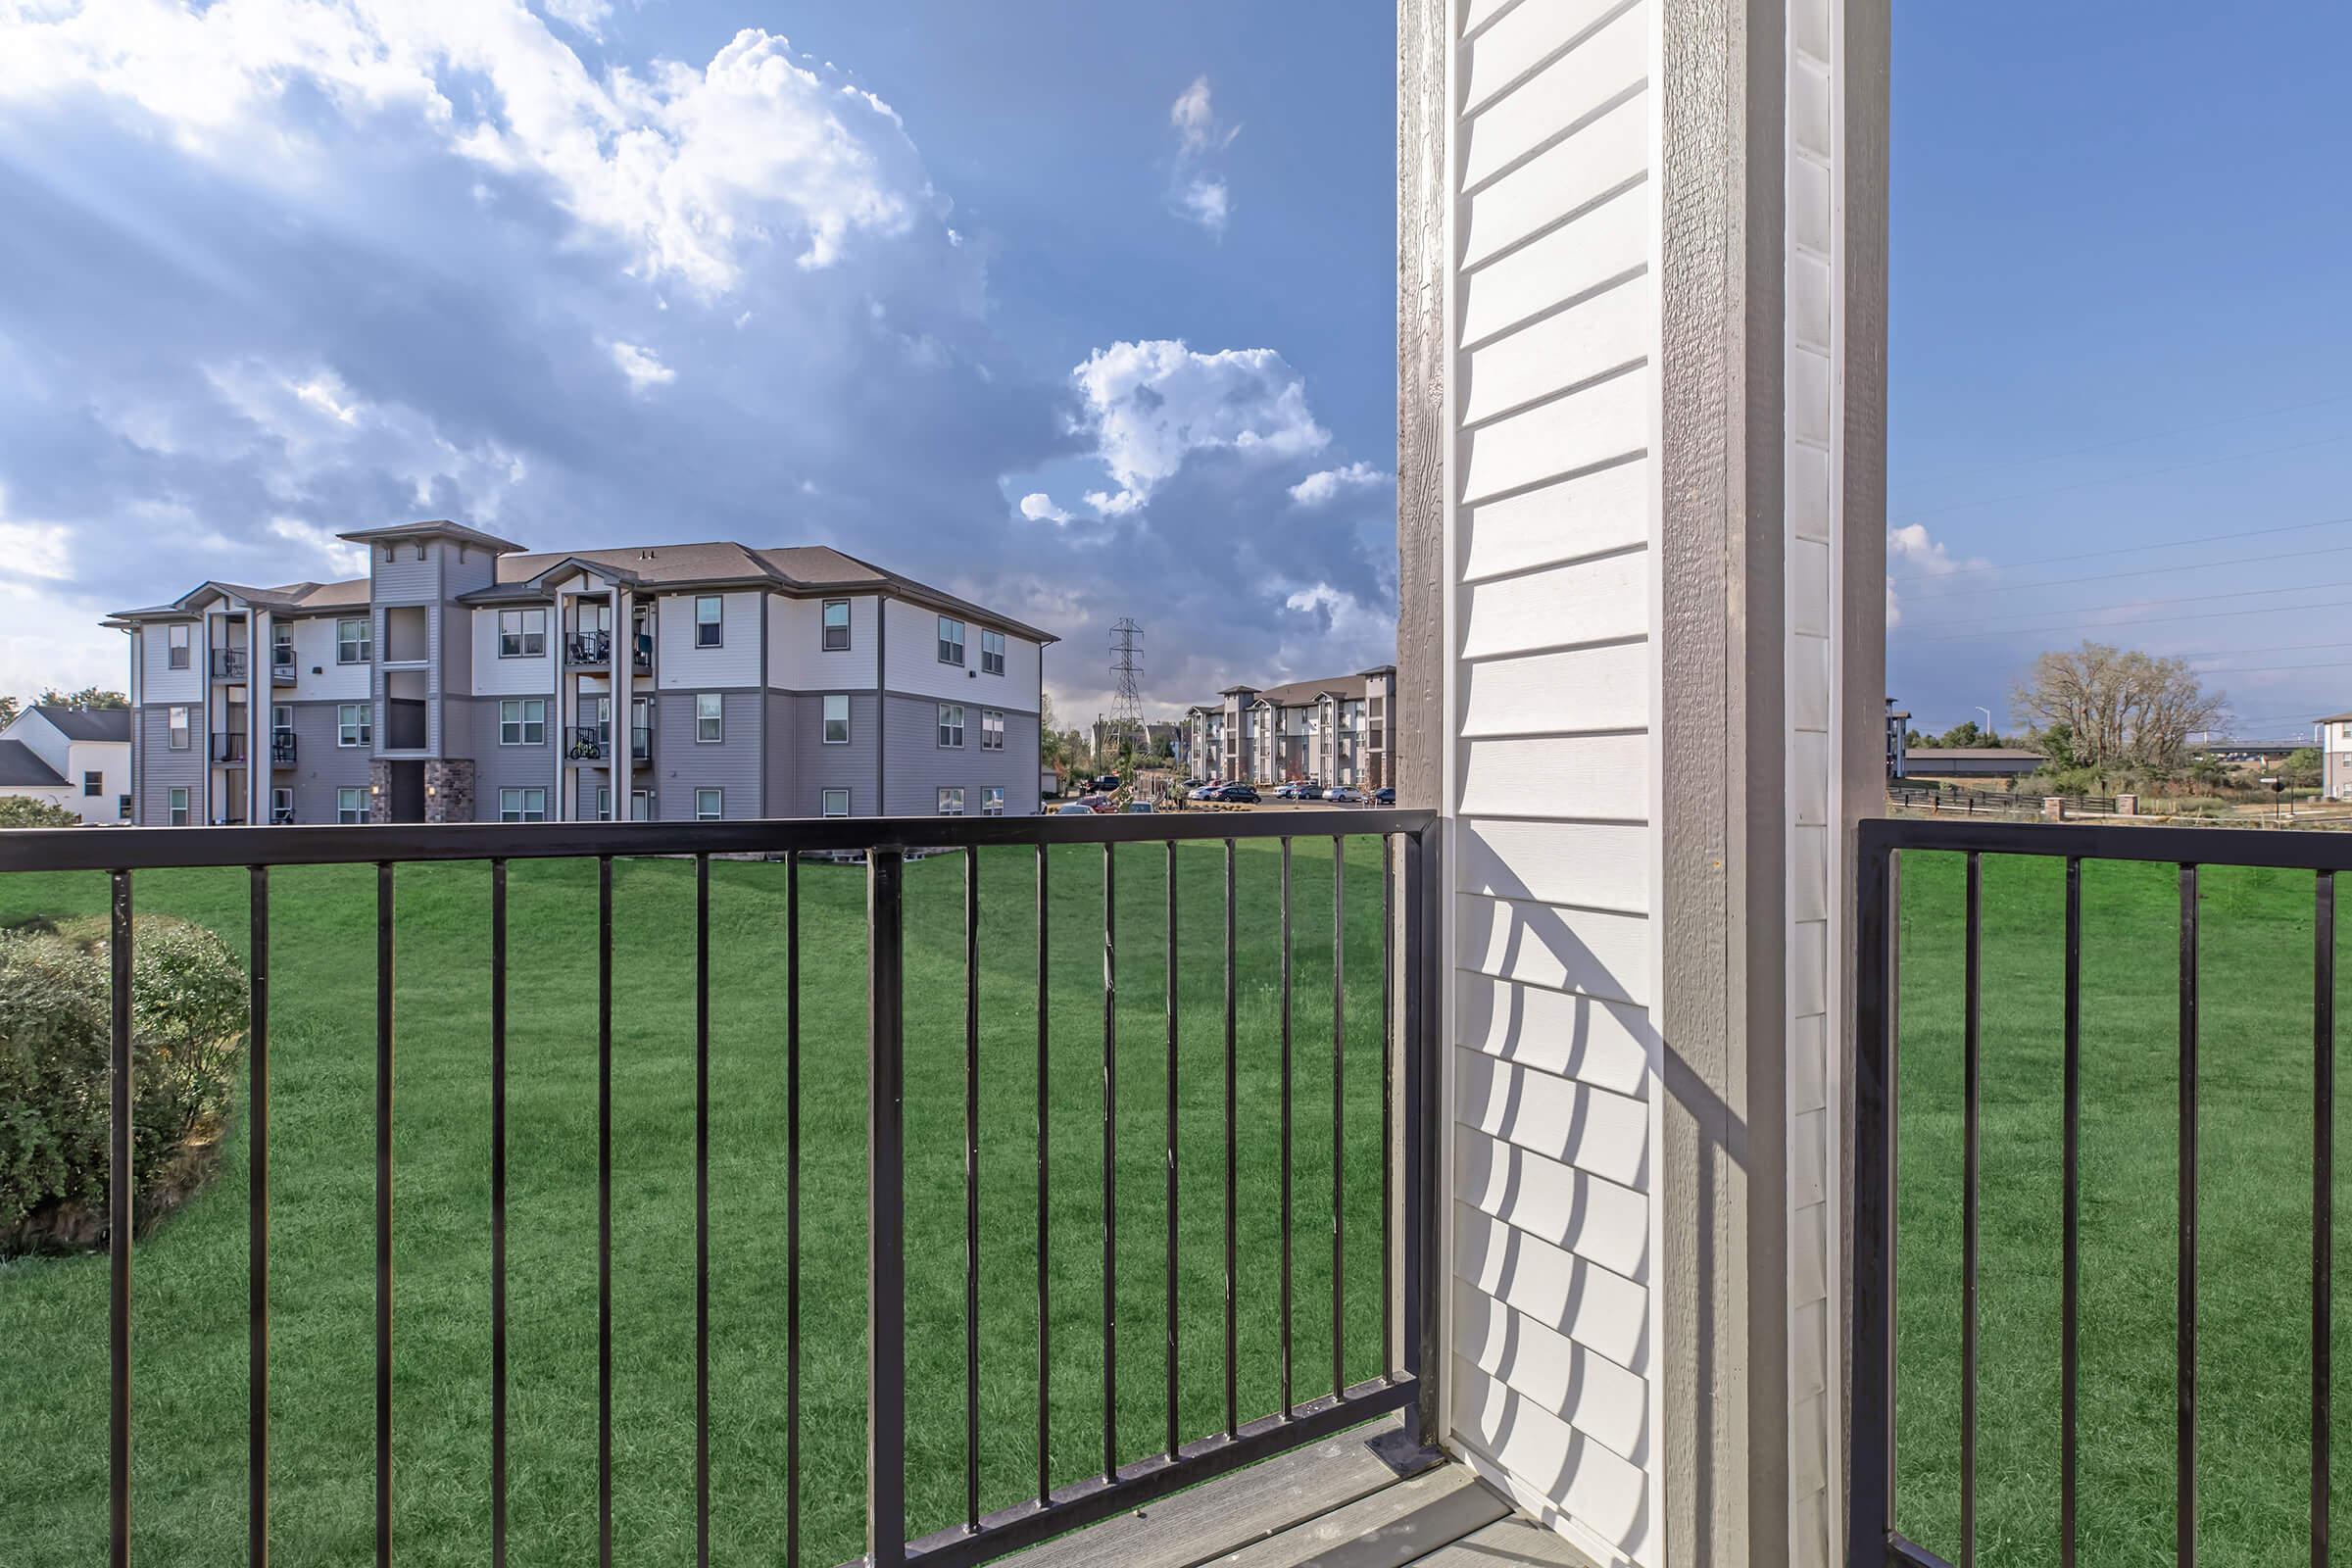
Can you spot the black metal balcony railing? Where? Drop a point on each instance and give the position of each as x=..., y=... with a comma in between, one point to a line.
x=641, y=655
x=281, y=748
x=229, y=663
x=641, y=743
x=588, y=648
x=1872, y=1539
x=281, y=816
x=585, y=743
x=1409, y=1193
x=228, y=748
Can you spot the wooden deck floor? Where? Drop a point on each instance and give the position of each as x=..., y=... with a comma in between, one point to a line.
x=1335, y=1504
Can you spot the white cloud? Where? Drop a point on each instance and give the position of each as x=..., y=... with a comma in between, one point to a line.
x=1921, y=556
x=585, y=17
x=685, y=167
x=642, y=367
x=30, y=549
x=342, y=560
x=1316, y=489
x=1193, y=116
x=326, y=394
x=1039, y=507
x=1341, y=627
x=1208, y=203
x=1149, y=404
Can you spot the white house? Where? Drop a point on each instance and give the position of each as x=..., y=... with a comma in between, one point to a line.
x=79, y=759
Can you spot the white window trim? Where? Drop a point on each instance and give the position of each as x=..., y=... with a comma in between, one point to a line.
x=364, y=642
x=719, y=810
x=179, y=731
x=176, y=655
x=719, y=622
x=961, y=632
x=521, y=722
x=940, y=730
x=359, y=814
x=991, y=799
x=848, y=637
x=719, y=718
x=825, y=803
x=987, y=653
x=825, y=719
x=362, y=730
x=520, y=810
x=945, y=789
x=522, y=634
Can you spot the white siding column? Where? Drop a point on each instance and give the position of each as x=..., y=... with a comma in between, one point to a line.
x=1641, y=318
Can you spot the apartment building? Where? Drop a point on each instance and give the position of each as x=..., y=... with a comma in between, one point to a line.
x=1334, y=731
x=465, y=679
x=77, y=759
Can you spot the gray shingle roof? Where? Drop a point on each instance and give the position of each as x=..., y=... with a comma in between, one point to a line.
x=21, y=765
x=87, y=723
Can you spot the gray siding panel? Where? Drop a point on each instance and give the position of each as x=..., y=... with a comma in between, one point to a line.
x=920, y=766
x=497, y=768
x=162, y=769
x=320, y=766
x=821, y=768
x=780, y=736
x=683, y=764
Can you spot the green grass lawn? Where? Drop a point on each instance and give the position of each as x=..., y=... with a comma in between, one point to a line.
x=2254, y=1355
x=190, y=1430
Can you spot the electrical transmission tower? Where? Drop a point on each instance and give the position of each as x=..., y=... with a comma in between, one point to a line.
x=1127, y=671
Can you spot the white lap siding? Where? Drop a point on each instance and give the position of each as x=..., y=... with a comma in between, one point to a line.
x=1552, y=770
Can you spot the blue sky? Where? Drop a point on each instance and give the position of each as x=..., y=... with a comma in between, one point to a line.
x=1087, y=311
x=2120, y=251
x=1081, y=310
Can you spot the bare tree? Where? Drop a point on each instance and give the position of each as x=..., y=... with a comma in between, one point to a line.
x=2121, y=706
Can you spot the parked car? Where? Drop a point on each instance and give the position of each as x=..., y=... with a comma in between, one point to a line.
x=1073, y=808
x=1206, y=791
x=1108, y=782
x=1384, y=796
x=1237, y=794
x=1139, y=807
x=1344, y=795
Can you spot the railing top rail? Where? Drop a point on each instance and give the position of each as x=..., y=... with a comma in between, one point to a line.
x=2308, y=850
x=87, y=850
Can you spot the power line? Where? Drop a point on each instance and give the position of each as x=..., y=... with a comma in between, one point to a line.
x=2140, y=604
x=2125, y=478
x=2153, y=620
x=2139, y=572
x=2118, y=550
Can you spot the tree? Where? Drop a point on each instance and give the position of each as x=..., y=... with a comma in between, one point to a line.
x=2121, y=708
x=25, y=811
x=2302, y=768
x=1966, y=734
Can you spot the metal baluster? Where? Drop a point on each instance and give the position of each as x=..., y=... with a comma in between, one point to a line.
x=383, y=1214
x=971, y=1187
x=1288, y=1400
x=1045, y=1325
x=886, y=1212
x=2071, y=1245
x=1233, y=1415
x=1339, y=1114
x=1110, y=1167
x=256, y=1231
x=1971, y=1164
x=792, y=1209
x=2323, y=1204
x=702, y=1211
x=121, y=1214
x=604, y=1210
x=498, y=1213
x=1170, y=1314
x=2184, y=1349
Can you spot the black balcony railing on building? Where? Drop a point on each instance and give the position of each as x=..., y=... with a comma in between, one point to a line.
x=641, y=743
x=588, y=648
x=281, y=748
x=281, y=816
x=1409, y=1186
x=228, y=748
x=585, y=743
x=1873, y=1541
x=229, y=663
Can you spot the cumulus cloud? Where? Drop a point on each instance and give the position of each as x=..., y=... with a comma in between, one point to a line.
x=1913, y=552
x=1322, y=486
x=686, y=169
x=643, y=367
x=1199, y=188
x=341, y=560
x=585, y=17
x=1149, y=405
x=1039, y=507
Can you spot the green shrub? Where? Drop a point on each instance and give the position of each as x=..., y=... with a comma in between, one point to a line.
x=187, y=1030
x=24, y=810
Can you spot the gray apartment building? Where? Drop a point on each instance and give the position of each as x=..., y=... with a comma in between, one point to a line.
x=465, y=679
x=1333, y=731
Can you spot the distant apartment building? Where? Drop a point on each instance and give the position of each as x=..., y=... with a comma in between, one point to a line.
x=1333, y=731
x=73, y=758
x=465, y=679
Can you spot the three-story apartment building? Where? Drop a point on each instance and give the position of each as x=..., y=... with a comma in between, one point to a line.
x=1334, y=731
x=465, y=679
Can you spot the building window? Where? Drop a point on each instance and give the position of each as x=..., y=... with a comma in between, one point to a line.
x=991, y=799
x=390, y=554
x=282, y=646
x=354, y=643
x=641, y=806
x=950, y=724
x=950, y=641
x=837, y=719
x=351, y=805
x=836, y=803
x=710, y=717
x=93, y=784
x=522, y=806
x=604, y=803
x=355, y=724
x=123, y=807
x=951, y=799
x=710, y=629
x=523, y=722
x=836, y=626
x=992, y=730
x=991, y=652
x=521, y=633
x=176, y=647
x=282, y=805
x=179, y=729
x=179, y=806
x=708, y=804
x=421, y=550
